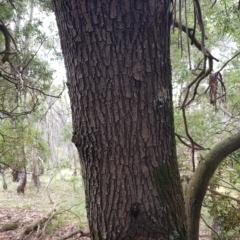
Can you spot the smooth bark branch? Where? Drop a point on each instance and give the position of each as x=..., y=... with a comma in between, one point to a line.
x=197, y=187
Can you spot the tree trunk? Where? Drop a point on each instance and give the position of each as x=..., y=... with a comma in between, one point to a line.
x=14, y=173
x=22, y=180
x=36, y=172
x=4, y=183
x=119, y=78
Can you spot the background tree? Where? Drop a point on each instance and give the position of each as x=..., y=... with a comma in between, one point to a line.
x=25, y=84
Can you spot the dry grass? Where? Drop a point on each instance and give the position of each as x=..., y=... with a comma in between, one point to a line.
x=68, y=194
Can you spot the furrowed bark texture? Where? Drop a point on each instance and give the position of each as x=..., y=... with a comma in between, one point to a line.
x=197, y=187
x=117, y=58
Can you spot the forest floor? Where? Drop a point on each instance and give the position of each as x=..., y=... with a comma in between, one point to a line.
x=60, y=191
x=29, y=215
x=63, y=192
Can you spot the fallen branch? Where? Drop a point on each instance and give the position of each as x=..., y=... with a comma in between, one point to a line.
x=38, y=224
x=210, y=228
x=76, y=232
x=11, y=225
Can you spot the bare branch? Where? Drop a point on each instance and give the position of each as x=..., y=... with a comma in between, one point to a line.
x=187, y=33
x=225, y=64
x=189, y=138
x=12, y=4
x=76, y=232
x=33, y=55
x=196, y=146
x=223, y=195
x=8, y=38
x=194, y=41
x=233, y=186
x=215, y=1
x=198, y=12
x=210, y=228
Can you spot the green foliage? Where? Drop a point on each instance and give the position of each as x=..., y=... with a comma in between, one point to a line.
x=55, y=223
x=20, y=143
x=223, y=19
x=64, y=163
x=206, y=125
x=70, y=202
x=227, y=216
x=67, y=132
x=28, y=31
x=5, y=11
x=25, y=83
x=45, y=5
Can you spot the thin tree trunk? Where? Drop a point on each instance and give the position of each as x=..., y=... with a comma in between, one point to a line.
x=22, y=180
x=214, y=214
x=119, y=78
x=36, y=172
x=4, y=183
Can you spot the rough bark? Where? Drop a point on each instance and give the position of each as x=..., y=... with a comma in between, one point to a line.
x=36, y=172
x=22, y=180
x=119, y=79
x=36, y=180
x=14, y=174
x=197, y=187
x=4, y=183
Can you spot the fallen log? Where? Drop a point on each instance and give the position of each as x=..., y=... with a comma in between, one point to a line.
x=38, y=224
x=76, y=232
x=11, y=225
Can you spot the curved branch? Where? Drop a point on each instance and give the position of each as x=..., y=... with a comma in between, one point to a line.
x=198, y=12
x=8, y=38
x=215, y=1
x=212, y=229
x=194, y=41
x=12, y=113
x=196, y=146
x=7, y=50
x=14, y=81
x=197, y=187
x=12, y=4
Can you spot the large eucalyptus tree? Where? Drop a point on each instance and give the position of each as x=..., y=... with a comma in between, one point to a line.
x=118, y=66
